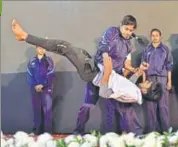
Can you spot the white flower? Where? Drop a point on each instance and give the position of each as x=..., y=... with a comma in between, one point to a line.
x=160, y=141
x=151, y=140
x=43, y=139
x=74, y=144
x=20, y=135
x=51, y=143
x=33, y=144
x=173, y=139
x=3, y=143
x=176, y=133
x=2, y=134
x=111, y=140
x=105, y=139
x=21, y=139
x=91, y=139
x=10, y=142
x=73, y=138
x=88, y=144
x=131, y=140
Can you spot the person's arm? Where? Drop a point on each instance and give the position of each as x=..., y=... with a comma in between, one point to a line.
x=128, y=64
x=105, y=43
x=30, y=76
x=104, y=91
x=134, y=78
x=169, y=67
x=48, y=81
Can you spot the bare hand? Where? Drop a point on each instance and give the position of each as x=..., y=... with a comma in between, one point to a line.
x=169, y=86
x=39, y=88
x=144, y=66
x=19, y=33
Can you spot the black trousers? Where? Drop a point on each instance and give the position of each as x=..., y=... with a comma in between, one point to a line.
x=76, y=56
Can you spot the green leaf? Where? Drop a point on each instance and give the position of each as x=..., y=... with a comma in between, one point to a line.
x=61, y=143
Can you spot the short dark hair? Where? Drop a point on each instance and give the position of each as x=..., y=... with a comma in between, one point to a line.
x=155, y=30
x=129, y=20
x=154, y=93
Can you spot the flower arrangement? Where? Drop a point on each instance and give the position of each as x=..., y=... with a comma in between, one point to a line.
x=94, y=139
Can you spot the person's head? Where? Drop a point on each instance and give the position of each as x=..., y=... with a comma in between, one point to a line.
x=155, y=35
x=40, y=51
x=128, y=25
x=151, y=91
x=145, y=86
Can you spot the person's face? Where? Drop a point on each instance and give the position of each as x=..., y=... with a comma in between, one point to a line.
x=127, y=30
x=144, y=86
x=40, y=51
x=155, y=37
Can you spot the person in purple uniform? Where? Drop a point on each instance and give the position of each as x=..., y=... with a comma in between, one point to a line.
x=40, y=71
x=160, y=60
x=115, y=41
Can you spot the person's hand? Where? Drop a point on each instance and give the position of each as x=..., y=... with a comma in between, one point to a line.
x=39, y=88
x=19, y=33
x=169, y=85
x=139, y=72
x=144, y=66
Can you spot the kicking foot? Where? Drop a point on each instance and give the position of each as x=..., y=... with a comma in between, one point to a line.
x=19, y=33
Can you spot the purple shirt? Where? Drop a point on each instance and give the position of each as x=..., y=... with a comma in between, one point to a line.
x=116, y=46
x=160, y=60
x=40, y=71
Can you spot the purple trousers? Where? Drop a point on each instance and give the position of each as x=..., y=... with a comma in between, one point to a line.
x=127, y=116
x=128, y=120
x=42, y=111
x=157, y=113
x=91, y=98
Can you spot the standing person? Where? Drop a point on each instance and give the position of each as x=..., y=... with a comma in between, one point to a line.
x=160, y=59
x=40, y=71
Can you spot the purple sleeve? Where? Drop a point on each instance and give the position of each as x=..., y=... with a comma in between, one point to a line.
x=169, y=60
x=30, y=76
x=104, y=45
x=144, y=56
x=50, y=73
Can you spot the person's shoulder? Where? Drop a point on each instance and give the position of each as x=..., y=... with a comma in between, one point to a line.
x=164, y=46
x=49, y=59
x=148, y=47
x=32, y=60
x=113, y=29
